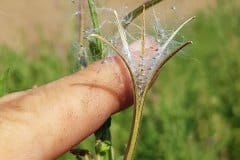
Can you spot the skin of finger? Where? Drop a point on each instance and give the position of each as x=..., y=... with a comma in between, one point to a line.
x=12, y=96
x=49, y=120
x=150, y=46
x=45, y=122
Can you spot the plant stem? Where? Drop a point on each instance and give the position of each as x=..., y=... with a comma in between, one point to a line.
x=81, y=22
x=136, y=12
x=82, y=53
x=103, y=146
x=139, y=94
x=95, y=45
x=137, y=116
x=139, y=103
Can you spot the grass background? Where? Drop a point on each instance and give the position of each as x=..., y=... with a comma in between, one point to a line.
x=192, y=112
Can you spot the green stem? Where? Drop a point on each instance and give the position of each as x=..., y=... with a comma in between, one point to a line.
x=93, y=12
x=103, y=146
x=96, y=46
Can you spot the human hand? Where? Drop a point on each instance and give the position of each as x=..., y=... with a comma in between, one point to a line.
x=45, y=122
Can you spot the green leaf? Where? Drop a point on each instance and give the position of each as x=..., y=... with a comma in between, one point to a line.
x=103, y=144
x=103, y=147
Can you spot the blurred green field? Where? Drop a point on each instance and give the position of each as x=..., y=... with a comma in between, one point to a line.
x=192, y=112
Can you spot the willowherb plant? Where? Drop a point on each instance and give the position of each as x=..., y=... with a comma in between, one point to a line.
x=144, y=59
x=144, y=63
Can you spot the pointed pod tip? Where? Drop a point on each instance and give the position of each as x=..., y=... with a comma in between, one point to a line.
x=191, y=19
x=190, y=42
x=186, y=44
x=115, y=12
